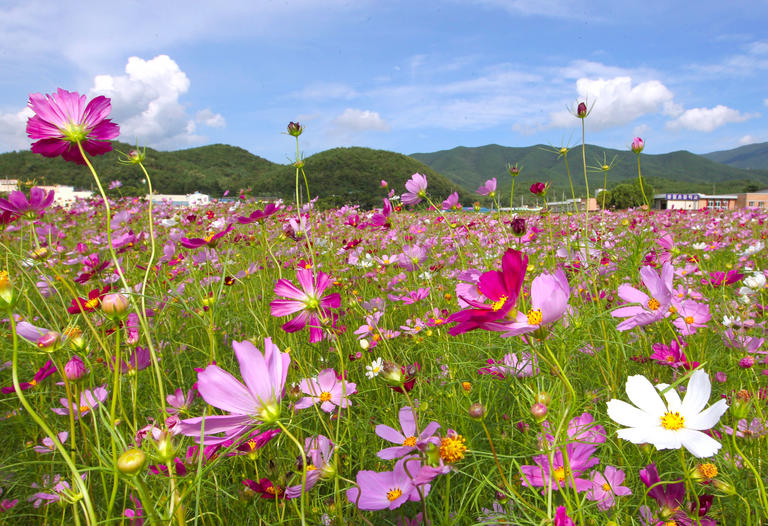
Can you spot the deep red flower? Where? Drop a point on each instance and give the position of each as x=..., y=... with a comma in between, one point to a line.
x=80, y=305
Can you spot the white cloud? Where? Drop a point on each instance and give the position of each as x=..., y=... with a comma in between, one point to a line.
x=747, y=139
x=708, y=119
x=145, y=103
x=12, y=130
x=616, y=101
x=360, y=120
x=210, y=119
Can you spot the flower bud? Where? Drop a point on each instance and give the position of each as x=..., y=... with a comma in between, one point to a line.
x=115, y=305
x=581, y=110
x=513, y=170
x=539, y=189
x=392, y=373
x=539, y=411
x=637, y=145
x=7, y=296
x=75, y=369
x=518, y=226
x=131, y=461
x=476, y=411
x=704, y=472
x=166, y=450
x=49, y=341
x=725, y=487
x=295, y=129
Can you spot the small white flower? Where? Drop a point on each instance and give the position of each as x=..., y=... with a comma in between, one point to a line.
x=699, y=246
x=374, y=369
x=755, y=281
x=364, y=344
x=425, y=275
x=730, y=321
x=753, y=249
x=669, y=423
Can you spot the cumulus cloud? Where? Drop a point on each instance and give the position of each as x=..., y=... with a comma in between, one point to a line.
x=12, y=130
x=747, y=139
x=360, y=120
x=145, y=102
x=708, y=119
x=616, y=101
x=210, y=119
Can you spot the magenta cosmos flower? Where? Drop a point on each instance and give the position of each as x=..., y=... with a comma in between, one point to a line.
x=327, y=389
x=210, y=240
x=258, y=215
x=307, y=301
x=407, y=441
x=62, y=120
x=18, y=204
x=549, y=301
x=646, y=309
x=258, y=401
x=560, y=472
x=388, y=489
x=88, y=401
x=500, y=287
x=319, y=451
x=417, y=190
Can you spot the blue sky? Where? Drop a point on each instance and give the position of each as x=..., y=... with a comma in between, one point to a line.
x=415, y=76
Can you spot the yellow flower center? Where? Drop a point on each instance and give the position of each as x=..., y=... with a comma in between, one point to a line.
x=394, y=494
x=534, y=317
x=92, y=303
x=33, y=382
x=84, y=409
x=672, y=309
x=251, y=444
x=410, y=441
x=689, y=320
x=709, y=470
x=606, y=487
x=672, y=421
x=325, y=396
x=311, y=467
x=654, y=304
x=452, y=448
x=498, y=304
x=560, y=474
x=209, y=238
x=5, y=281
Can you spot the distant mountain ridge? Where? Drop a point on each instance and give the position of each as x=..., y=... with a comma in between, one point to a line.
x=675, y=171
x=749, y=157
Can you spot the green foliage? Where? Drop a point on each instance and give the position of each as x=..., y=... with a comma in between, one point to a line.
x=626, y=195
x=749, y=157
x=676, y=171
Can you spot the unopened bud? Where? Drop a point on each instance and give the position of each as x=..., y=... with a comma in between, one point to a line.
x=131, y=461
x=75, y=369
x=518, y=226
x=392, y=373
x=725, y=487
x=581, y=110
x=637, y=145
x=513, y=170
x=476, y=411
x=539, y=411
x=295, y=129
x=543, y=397
x=115, y=305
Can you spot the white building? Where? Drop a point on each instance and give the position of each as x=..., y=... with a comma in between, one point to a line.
x=9, y=185
x=65, y=196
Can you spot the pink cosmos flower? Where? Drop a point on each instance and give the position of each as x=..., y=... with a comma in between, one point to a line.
x=693, y=316
x=561, y=474
x=178, y=401
x=417, y=190
x=511, y=365
x=258, y=215
x=549, y=301
x=210, y=240
x=319, y=451
x=562, y=518
x=256, y=401
x=308, y=302
x=407, y=440
x=671, y=355
x=452, y=202
x=48, y=445
x=89, y=400
x=500, y=287
x=44, y=372
x=637, y=145
x=488, y=188
x=388, y=489
x=605, y=486
x=18, y=204
x=648, y=309
x=327, y=389
x=63, y=119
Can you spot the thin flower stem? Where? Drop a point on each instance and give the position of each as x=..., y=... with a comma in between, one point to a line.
x=90, y=514
x=640, y=180
x=303, y=455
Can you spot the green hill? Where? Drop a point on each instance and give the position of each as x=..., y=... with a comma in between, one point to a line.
x=671, y=172
x=337, y=176
x=209, y=169
x=749, y=157
x=353, y=175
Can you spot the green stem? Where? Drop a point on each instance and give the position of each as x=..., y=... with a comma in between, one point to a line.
x=303, y=455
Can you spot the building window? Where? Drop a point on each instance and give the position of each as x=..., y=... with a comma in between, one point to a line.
x=710, y=204
x=751, y=203
x=761, y=204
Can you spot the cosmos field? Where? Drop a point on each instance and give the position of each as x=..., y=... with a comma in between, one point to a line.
x=274, y=363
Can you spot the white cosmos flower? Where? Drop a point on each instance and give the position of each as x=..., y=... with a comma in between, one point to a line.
x=666, y=422
x=374, y=369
